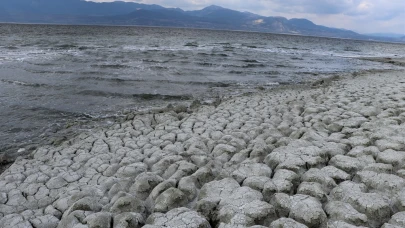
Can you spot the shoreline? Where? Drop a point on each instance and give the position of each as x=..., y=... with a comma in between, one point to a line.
x=69, y=130
x=256, y=159
x=393, y=61
x=65, y=133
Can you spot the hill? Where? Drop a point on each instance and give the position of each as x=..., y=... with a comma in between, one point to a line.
x=129, y=13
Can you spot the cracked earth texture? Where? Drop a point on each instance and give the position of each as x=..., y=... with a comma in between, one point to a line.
x=326, y=156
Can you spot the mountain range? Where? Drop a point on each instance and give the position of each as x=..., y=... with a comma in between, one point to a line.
x=129, y=13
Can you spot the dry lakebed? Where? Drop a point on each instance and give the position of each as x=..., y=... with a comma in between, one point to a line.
x=330, y=154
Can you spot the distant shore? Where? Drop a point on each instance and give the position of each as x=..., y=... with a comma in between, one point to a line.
x=328, y=153
x=376, y=39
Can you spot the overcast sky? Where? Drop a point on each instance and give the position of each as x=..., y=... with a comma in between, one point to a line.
x=364, y=16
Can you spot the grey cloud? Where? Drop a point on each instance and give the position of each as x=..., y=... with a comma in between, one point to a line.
x=315, y=6
x=390, y=15
x=374, y=9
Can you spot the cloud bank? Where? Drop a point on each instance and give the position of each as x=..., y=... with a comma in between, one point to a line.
x=364, y=16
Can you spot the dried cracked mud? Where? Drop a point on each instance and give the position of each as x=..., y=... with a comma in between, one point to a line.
x=331, y=156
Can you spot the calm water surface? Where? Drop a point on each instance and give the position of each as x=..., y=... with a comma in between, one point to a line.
x=51, y=75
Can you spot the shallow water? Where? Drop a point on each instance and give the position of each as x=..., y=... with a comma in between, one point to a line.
x=51, y=75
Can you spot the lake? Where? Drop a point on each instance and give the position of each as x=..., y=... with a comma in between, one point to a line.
x=54, y=76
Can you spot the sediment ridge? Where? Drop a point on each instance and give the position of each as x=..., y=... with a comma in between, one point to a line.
x=327, y=155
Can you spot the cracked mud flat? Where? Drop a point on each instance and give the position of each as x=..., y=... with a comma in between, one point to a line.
x=331, y=156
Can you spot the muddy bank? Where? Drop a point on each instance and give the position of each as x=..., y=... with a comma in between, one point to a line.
x=330, y=154
x=394, y=61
